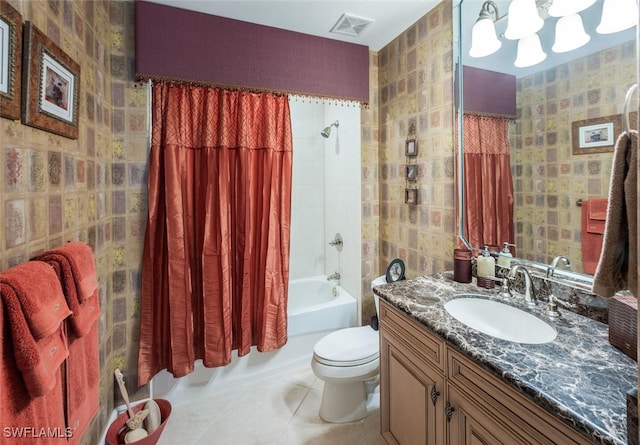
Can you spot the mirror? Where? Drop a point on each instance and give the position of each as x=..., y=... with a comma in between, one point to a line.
x=568, y=95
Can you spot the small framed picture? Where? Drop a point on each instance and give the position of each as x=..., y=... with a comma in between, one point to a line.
x=51, y=84
x=596, y=135
x=411, y=172
x=411, y=196
x=10, y=61
x=411, y=147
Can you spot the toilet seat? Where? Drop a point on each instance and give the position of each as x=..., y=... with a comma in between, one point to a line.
x=348, y=347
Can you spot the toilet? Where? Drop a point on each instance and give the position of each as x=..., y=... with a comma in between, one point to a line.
x=348, y=362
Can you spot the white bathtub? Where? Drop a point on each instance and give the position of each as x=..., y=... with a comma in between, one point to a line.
x=313, y=311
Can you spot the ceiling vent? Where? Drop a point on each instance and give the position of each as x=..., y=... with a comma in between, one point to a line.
x=351, y=25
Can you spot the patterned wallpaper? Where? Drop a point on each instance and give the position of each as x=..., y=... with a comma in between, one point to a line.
x=93, y=189
x=415, y=78
x=548, y=177
x=55, y=190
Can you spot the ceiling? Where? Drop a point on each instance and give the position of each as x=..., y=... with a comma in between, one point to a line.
x=390, y=18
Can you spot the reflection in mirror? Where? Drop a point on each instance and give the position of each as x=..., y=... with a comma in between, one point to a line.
x=553, y=122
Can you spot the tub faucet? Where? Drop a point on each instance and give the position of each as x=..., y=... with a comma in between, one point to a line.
x=334, y=276
x=529, y=290
x=552, y=267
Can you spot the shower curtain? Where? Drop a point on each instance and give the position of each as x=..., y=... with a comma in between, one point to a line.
x=488, y=184
x=215, y=267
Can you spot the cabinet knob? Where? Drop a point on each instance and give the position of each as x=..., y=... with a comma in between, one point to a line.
x=434, y=395
x=448, y=410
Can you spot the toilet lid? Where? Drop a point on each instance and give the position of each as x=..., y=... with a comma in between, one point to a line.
x=348, y=347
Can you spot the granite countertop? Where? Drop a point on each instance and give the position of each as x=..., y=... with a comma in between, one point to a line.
x=579, y=377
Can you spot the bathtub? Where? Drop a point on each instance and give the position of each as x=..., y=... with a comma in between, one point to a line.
x=316, y=307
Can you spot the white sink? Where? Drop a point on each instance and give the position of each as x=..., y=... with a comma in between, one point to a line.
x=500, y=320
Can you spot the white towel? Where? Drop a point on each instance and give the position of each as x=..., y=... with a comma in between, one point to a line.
x=618, y=265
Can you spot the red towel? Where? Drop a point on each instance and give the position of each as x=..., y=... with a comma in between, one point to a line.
x=82, y=378
x=35, y=313
x=594, y=215
x=81, y=264
x=41, y=298
x=81, y=372
x=23, y=418
x=84, y=312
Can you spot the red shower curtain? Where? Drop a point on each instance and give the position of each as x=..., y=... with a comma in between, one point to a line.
x=216, y=255
x=488, y=185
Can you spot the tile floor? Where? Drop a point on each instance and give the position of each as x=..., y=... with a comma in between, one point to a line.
x=278, y=410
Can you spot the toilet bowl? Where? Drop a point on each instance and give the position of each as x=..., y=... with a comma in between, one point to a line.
x=348, y=362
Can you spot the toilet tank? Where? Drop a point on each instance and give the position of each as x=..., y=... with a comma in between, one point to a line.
x=382, y=279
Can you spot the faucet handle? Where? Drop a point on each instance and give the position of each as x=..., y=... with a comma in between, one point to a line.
x=505, y=289
x=552, y=307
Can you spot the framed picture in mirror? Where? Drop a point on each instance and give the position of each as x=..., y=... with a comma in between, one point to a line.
x=597, y=135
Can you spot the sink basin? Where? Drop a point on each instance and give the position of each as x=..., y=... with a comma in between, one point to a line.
x=500, y=320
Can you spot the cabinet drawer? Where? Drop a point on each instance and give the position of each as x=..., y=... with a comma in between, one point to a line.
x=512, y=410
x=415, y=336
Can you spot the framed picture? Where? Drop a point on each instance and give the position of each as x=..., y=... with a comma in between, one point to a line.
x=596, y=135
x=51, y=84
x=411, y=147
x=411, y=196
x=10, y=61
x=411, y=172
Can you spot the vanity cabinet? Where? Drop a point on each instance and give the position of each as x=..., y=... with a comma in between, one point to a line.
x=469, y=404
x=411, y=382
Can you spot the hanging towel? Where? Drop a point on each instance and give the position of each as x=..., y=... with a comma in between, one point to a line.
x=18, y=409
x=78, y=257
x=36, y=310
x=617, y=268
x=81, y=371
x=594, y=215
x=82, y=377
x=63, y=260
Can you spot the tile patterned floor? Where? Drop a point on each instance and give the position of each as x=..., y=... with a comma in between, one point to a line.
x=278, y=410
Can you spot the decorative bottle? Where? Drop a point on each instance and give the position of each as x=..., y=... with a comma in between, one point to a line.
x=486, y=268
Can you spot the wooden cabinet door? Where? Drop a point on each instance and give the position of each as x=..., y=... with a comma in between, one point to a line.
x=471, y=425
x=411, y=395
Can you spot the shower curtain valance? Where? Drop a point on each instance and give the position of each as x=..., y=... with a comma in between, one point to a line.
x=174, y=44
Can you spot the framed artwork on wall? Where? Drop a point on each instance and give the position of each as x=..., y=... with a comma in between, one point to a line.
x=411, y=147
x=51, y=84
x=596, y=135
x=411, y=172
x=10, y=61
x=411, y=196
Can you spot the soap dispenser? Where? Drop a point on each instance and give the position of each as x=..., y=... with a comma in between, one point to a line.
x=504, y=258
x=486, y=268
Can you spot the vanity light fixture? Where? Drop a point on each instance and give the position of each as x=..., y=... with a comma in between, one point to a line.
x=618, y=15
x=529, y=52
x=524, y=19
x=563, y=8
x=484, y=40
x=570, y=34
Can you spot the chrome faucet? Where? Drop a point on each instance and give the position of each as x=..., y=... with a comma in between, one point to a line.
x=552, y=267
x=337, y=242
x=334, y=276
x=529, y=290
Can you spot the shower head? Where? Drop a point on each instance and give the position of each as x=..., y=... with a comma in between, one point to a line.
x=327, y=130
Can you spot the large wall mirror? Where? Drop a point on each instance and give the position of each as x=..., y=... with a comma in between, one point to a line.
x=561, y=113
